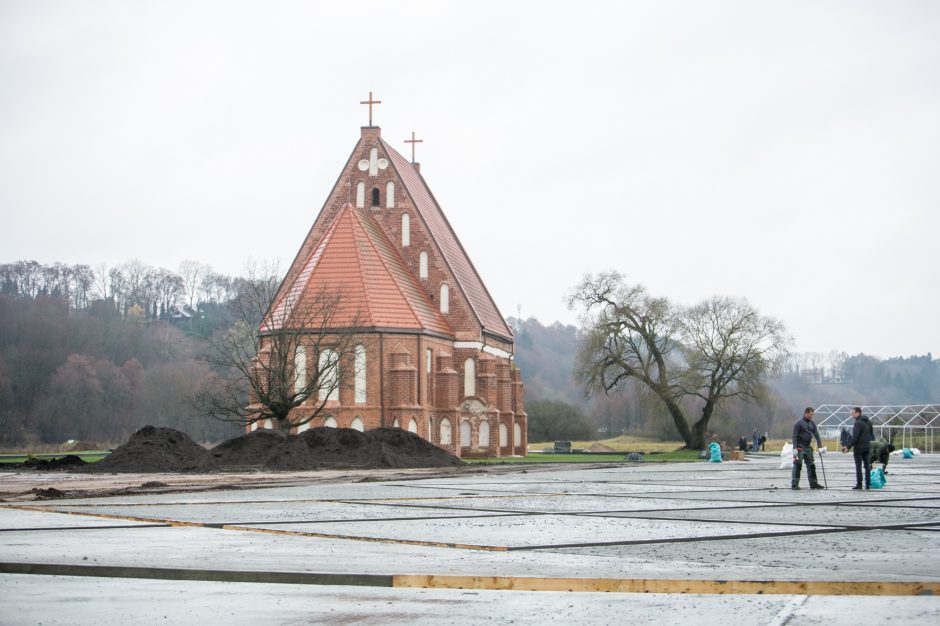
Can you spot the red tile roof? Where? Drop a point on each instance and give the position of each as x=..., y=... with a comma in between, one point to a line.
x=455, y=256
x=356, y=259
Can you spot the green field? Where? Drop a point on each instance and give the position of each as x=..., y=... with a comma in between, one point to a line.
x=89, y=456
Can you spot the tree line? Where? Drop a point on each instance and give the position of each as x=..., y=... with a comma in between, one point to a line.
x=94, y=354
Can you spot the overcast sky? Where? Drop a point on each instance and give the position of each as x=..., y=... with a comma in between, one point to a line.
x=784, y=152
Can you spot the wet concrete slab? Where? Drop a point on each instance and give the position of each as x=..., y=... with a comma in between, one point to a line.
x=694, y=522
x=527, y=531
x=108, y=602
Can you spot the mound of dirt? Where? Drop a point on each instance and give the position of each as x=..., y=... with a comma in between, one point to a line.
x=251, y=450
x=599, y=447
x=153, y=449
x=409, y=450
x=67, y=462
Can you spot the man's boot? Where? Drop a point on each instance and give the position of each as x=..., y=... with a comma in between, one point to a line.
x=813, y=481
x=795, y=476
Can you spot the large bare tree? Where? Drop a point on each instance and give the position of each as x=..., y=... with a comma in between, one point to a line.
x=282, y=359
x=719, y=349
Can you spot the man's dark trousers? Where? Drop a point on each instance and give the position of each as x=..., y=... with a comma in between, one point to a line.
x=862, y=458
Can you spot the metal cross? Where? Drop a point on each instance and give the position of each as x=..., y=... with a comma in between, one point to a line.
x=370, y=102
x=413, y=141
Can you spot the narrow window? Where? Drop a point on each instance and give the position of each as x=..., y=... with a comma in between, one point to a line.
x=469, y=378
x=395, y=423
x=503, y=436
x=357, y=424
x=484, y=434
x=445, y=431
x=390, y=195
x=412, y=426
x=361, y=195
x=300, y=369
x=465, y=434
x=445, y=298
x=328, y=375
x=360, y=365
x=516, y=435
x=405, y=230
x=376, y=201
x=427, y=360
x=423, y=265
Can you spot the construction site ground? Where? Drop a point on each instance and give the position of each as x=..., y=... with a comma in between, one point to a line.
x=525, y=544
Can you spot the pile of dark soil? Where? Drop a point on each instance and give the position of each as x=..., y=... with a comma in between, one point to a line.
x=153, y=449
x=409, y=450
x=68, y=462
x=334, y=448
x=49, y=494
x=251, y=450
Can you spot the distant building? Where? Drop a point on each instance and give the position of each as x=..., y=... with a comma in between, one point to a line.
x=437, y=355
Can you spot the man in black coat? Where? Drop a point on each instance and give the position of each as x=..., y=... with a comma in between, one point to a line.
x=804, y=431
x=860, y=444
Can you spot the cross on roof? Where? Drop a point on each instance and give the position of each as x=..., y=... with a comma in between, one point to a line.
x=370, y=102
x=413, y=141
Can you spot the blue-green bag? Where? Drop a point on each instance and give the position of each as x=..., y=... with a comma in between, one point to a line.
x=715, y=450
x=877, y=478
x=906, y=453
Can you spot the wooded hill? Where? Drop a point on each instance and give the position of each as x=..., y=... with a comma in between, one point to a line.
x=94, y=354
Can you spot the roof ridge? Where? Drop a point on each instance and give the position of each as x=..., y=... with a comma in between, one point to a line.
x=381, y=258
x=361, y=273
x=456, y=275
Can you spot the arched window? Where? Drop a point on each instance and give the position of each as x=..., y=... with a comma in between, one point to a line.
x=446, y=437
x=516, y=434
x=423, y=265
x=484, y=434
x=360, y=365
x=376, y=200
x=303, y=427
x=405, y=230
x=412, y=426
x=390, y=195
x=469, y=378
x=329, y=422
x=374, y=162
x=395, y=423
x=254, y=426
x=445, y=298
x=465, y=434
x=328, y=370
x=431, y=429
x=361, y=195
x=300, y=369
x=503, y=436
x=268, y=424
x=357, y=424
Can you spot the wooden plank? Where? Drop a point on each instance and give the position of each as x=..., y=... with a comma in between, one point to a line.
x=657, y=585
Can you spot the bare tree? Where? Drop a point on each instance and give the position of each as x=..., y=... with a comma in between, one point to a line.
x=719, y=349
x=282, y=360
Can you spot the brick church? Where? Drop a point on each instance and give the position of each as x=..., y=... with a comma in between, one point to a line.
x=436, y=355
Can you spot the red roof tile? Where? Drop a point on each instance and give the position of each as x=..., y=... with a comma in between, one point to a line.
x=454, y=255
x=356, y=258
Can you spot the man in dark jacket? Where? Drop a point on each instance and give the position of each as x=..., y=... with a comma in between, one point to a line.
x=804, y=431
x=860, y=444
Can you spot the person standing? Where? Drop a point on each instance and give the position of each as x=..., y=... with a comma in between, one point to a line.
x=804, y=431
x=755, y=440
x=860, y=444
